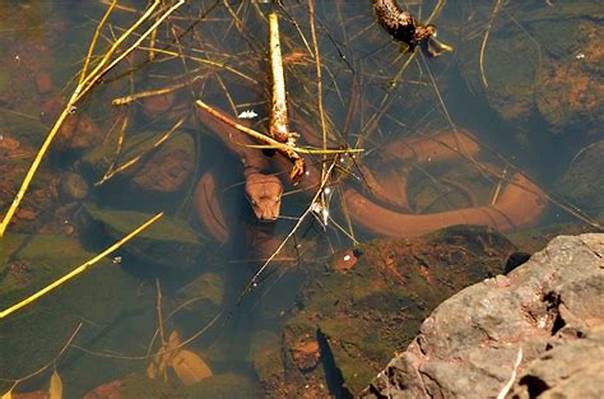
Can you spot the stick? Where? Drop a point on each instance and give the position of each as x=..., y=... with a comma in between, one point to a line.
x=278, y=125
x=80, y=269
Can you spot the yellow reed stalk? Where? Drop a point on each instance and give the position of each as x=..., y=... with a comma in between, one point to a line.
x=278, y=124
x=81, y=90
x=95, y=38
x=215, y=64
x=158, y=92
x=80, y=269
x=95, y=77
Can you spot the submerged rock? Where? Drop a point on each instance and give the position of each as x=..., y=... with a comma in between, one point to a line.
x=199, y=301
x=169, y=242
x=547, y=65
x=73, y=187
x=583, y=182
x=168, y=168
x=351, y=319
x=158, y=170
x=551, y=307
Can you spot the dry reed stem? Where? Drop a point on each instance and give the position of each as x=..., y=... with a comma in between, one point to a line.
x=483, y=45
x=53, y=362
x=278, y=123
x=158, y=92
x=215, y=64
x=80, y=269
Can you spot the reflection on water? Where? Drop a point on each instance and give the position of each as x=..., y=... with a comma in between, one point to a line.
x=504, y=133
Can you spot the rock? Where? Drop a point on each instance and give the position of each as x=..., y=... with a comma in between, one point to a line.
x=168, y=168
x=156, y=105
x=548, y=65
x=572, y=370
x=551, y=307
x=73, y=187
x=161, y=170
x=351, y=320
x=169, y=242
x=43, y=82
x=78, y=131
x=199, y=300
x=583, y=182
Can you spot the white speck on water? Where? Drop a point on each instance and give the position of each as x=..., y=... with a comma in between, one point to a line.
x=327, y=190
x=248, y=114
x=347, y=258
x=580, y=56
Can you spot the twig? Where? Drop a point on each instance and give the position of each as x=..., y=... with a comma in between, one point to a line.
x=311, y=208
x=483, y=45
x=53, y=362
x=80, y=269
x=160, y=317
x=278, y=124
x=504, y=391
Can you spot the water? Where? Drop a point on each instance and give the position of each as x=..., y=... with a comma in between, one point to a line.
x=535, y=114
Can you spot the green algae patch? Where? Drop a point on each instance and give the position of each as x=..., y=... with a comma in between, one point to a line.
x=115, y=311
x=365, y=313
x=169, y=242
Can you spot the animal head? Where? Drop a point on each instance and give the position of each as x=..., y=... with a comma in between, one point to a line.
x=264, y=193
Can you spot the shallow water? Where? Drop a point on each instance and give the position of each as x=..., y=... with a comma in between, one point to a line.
x=524, y=118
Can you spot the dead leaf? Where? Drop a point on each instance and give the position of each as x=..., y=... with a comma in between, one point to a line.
x=152, y=371
x=173, y=340
x=159, y=363
x=55, y=391
x=189, y=367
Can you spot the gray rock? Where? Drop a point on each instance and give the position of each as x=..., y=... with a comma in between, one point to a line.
x=550, y=308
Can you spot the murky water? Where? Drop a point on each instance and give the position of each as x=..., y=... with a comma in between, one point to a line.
x=506, y=128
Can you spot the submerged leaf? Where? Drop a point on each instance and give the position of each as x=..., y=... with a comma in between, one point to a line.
x=55, y=391
x=189, y=367
x=152, y=371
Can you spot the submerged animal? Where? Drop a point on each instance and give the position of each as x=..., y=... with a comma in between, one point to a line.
x=262, y=189
x=404, y=27
x=519, y=204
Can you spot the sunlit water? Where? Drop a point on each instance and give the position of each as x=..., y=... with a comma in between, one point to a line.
x=117, y=302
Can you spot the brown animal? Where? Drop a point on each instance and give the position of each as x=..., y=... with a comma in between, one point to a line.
x=262, y=189
x=520, y=203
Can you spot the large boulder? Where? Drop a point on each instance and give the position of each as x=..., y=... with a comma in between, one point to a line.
x=551, y=309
